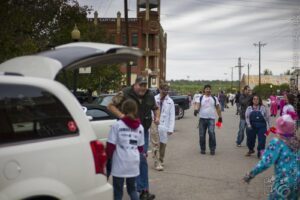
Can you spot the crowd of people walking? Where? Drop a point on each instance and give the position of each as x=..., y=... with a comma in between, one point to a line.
x=143, y=114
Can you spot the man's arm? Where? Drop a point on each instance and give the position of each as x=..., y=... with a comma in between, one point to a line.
x=156, y=113
x=219, y=112
x=196, y=108
x=112, y=106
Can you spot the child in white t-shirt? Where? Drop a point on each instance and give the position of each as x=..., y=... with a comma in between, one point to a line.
x=124, y=145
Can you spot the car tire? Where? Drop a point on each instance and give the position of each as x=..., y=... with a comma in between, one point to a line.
x=41, y=198
x=181, y=113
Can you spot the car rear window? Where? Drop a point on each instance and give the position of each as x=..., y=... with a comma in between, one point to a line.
x=31, y=113
x=103, y=100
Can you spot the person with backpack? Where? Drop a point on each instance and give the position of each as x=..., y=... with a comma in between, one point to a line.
x=206, y=107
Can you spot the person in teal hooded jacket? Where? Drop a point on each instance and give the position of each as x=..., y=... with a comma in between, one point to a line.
x=283, y=151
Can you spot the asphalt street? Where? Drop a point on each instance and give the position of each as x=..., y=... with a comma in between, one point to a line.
x=189, y=175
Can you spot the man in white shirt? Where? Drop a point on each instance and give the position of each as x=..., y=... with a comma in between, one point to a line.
x=206, y=107
x=165, y=127
x=196, y=98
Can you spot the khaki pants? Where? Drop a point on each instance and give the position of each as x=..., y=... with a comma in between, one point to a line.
x=158, y=148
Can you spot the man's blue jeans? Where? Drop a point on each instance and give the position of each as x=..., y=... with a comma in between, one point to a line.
x=241, y=132
x=207, y=124
x=118, y=184
x=142, y=180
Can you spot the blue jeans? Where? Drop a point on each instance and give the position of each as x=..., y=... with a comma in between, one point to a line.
x=251, y=138
x=118, y=184
x=143, y=180
x=222, y=105
x=207, y=124
x=241, y=132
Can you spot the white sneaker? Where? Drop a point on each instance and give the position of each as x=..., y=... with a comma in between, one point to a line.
x=159, y=168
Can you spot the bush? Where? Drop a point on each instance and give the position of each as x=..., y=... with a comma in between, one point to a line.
x=265, y=90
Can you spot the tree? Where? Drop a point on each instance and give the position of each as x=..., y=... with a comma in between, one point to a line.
x=30, y=26
x=267, y=72
x=288, y=72
x=265, y=90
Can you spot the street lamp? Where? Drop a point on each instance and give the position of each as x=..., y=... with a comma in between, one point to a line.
x=75, y=35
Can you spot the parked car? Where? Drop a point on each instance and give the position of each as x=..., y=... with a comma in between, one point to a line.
x=101, y=119
x=182, y=101
x=105, y=99
x=48, y=147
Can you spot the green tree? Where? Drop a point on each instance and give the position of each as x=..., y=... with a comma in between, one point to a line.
x=29, y=26
x=265, y=90
x=288, y=72
x=267, y=72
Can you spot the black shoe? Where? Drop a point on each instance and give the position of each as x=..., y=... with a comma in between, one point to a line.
x=145, y=195
x=203, y=152
x=250, y=152
x=258, y=155
x=212, y=153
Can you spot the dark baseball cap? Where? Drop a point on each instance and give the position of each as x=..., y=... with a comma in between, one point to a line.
x=141, y=80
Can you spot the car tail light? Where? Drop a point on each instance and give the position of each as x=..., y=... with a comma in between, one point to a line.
x=100, y=157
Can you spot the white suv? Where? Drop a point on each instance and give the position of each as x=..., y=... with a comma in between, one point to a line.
x=48, y=148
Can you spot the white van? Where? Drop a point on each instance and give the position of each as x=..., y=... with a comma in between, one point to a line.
x=48, y=147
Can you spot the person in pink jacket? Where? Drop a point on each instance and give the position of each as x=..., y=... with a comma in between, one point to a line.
x=282, y=103
x=273, y=107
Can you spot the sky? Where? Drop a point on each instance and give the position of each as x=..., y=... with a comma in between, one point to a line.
x=206, y=37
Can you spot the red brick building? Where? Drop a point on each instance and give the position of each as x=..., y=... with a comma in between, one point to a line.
x=146, y=33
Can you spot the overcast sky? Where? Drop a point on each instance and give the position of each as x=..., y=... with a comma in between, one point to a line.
x=206, y=37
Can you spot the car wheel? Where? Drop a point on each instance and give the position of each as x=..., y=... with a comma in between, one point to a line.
x=41, y=198
x=181, y=113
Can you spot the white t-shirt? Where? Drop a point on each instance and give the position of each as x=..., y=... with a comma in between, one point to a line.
x=207, y=107
x=196, y=97
x=126, y=157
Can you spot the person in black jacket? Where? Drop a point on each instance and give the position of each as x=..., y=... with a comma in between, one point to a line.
x=146, y=103
x=244, y=101
x=237, y=102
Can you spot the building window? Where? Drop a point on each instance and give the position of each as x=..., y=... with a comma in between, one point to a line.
x=112, y=39
x=134, y=39
x=124, y=39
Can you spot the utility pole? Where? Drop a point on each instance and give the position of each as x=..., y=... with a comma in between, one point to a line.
x=128, y=66
x=231, y=78
x=240, y=71
x=259, y=60
x=248, y=72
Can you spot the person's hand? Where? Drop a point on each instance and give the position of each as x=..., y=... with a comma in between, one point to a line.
x=247, y=178
x=196, y=112
x=170, y=133
x=156, y=121
x=145, y=155
x=249, y=127
x=122, y=116
x=220, y=120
